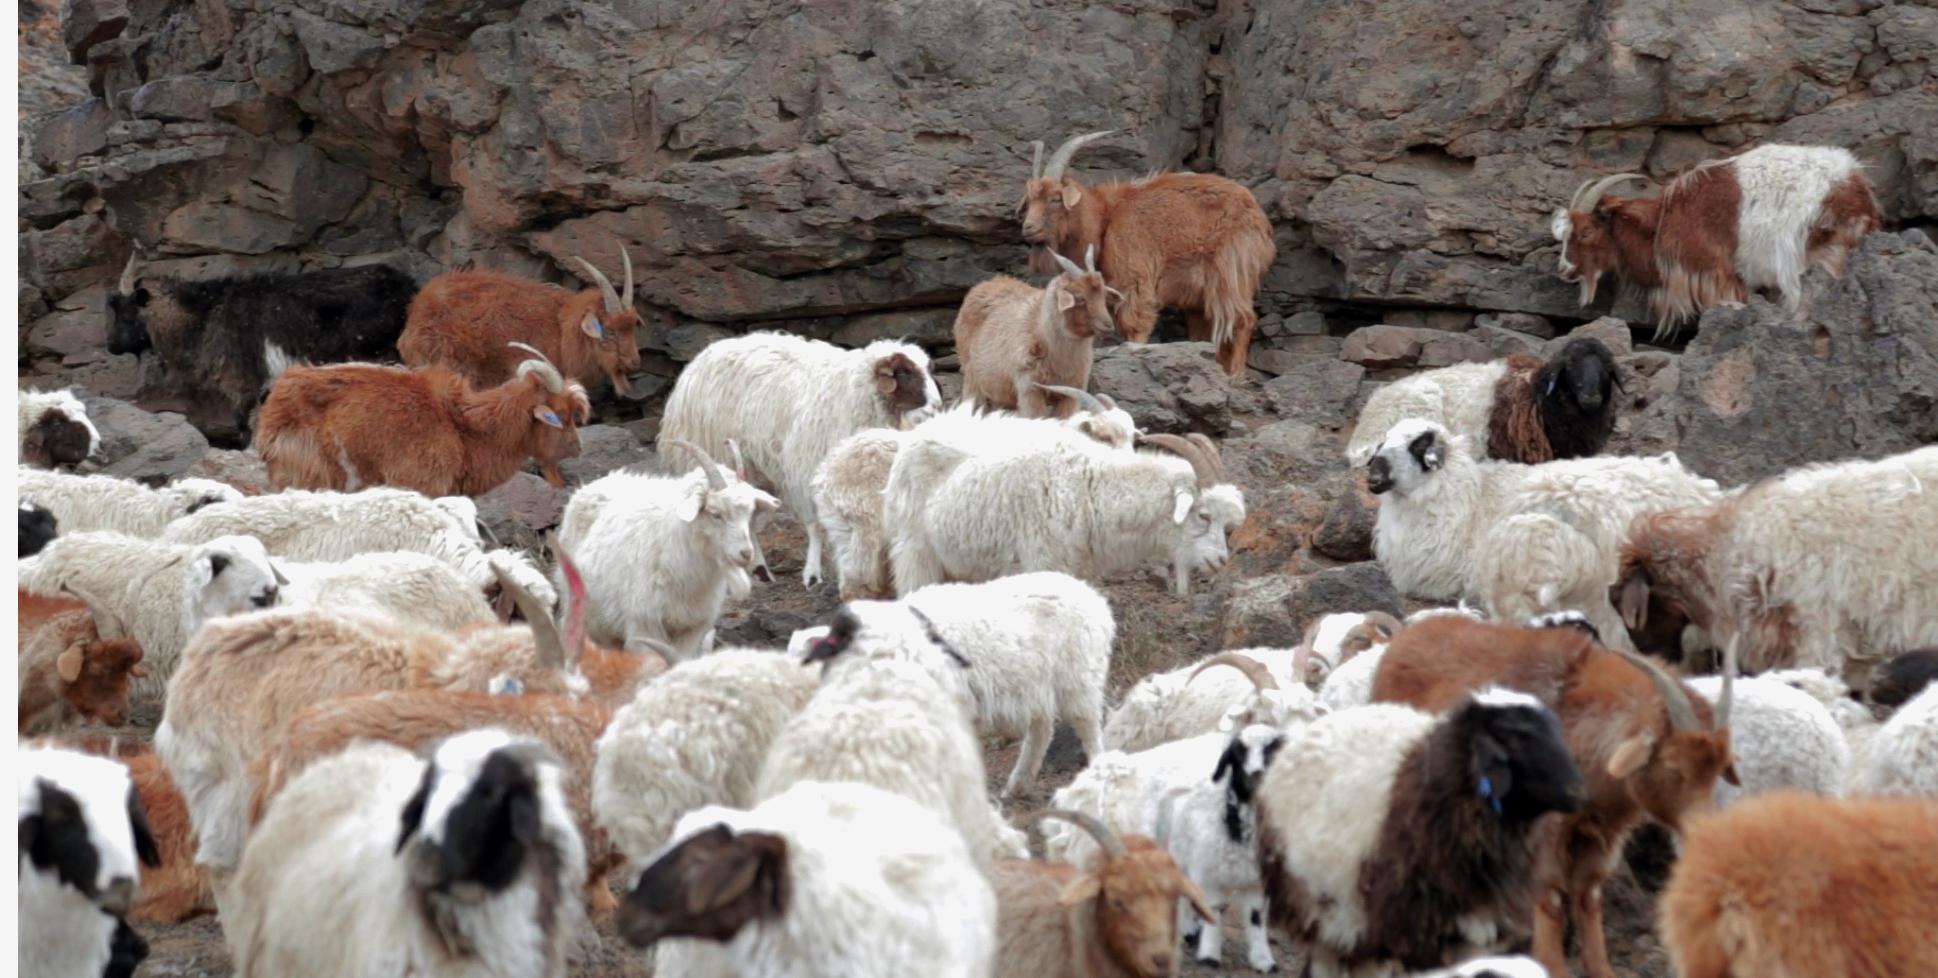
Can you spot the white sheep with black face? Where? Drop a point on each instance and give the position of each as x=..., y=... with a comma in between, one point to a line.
x=82, y=832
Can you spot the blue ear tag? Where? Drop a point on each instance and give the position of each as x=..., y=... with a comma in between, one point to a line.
x=1487, y=792
x=599, y=330
x=1551, y=382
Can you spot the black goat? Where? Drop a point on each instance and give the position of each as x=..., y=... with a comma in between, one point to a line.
x=1564, y=408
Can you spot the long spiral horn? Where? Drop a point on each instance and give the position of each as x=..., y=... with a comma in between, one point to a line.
x=1253, y=669
x=1107, y=840
x=604, y=283
x=1060, y=160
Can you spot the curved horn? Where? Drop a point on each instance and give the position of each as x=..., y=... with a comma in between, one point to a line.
x=1060, y=159
x=1591, y=190
x=626, y=299
x=1201, y=466
x=1036, y=166
x=1253, y=669
x=716, y=480
x=1681, y=714
x=547, y=375
x=132, y=595
x=572, y=616
x=1083, y=398
x=1383, y=620
x=739, y=461
x=100, y=610
x=1109, y=404
x=128, y=274
x=1069, y=267
x=537, y=354
x=1210, y=448
x=1107, y=840
x=1729, y=683
x=1162, y=831
x=604, y=283
x=1090, y=259
x=545, y=635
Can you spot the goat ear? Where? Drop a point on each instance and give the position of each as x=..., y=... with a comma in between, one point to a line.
x=1082, y=888
x=689, y=508
x=1181, y=508
x=1190, y=891
x=591, y=326
x=69, y=662
x=1729, y=774
x=1072, y=192
x=1634, y=600
x=1064, y=300
x=1633, y=753
x=547, y=415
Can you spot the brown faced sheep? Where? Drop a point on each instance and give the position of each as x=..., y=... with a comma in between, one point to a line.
x=1012, y=338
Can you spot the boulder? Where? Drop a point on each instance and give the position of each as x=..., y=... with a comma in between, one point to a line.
x=1166, y=387
x=149, y=448
x=605, y=448
x=1273, y=611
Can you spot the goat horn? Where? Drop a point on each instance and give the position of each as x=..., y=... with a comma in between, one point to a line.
x=739, y=463
x=99, y=609
x=1210, y=448
x=1090, y=258
x=1083, y=398
x=1109, y=405
x=1060, y=159
x=572, y=616
x=1381, y=619
x=1681, y=714
x=132, y=596
x=1036, y=167
x=626, y=300
x=1729, y=682
x=1591, y=190
x=1107, y=840
x=1162, y=832
x=1253, y=669
x=545, y=634
x=604, y=283
x=716, y=480
x=1069, y=267
x=528, y=348
x=1200, y=466
x=128, y=274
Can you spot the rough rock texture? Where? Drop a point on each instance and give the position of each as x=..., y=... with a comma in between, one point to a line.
x=1175, y=387
x=604, y=448
x=1274, y=611
x=150, y=448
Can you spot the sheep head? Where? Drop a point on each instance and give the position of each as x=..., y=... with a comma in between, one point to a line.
x=609, y=321
x=556, y=409
x=1050, y=201
x=708, y=886
x=1670, y=759
x=480, y=808
x=1586, y=368
x=1334, y=640
x=1594, y=241
x=1662, y=579
x=1407, y=457
x=1081, y=297
x=55, y=439
x=901, y=375
x=1129, y=896
x=127, y=331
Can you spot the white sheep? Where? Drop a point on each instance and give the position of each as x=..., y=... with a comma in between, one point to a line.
x=1854, y=719
x=818, y=881
x=82, y=830
x=1441, y=510
x=1779, y=737
x=1037, y=647
x=55, y=429
x=1351, y=684
x=788, y=401
x=661, y=555
x=1213, y=834
x=1904, y=755
x=1460, y=397
x=482, y=880
x=695, y=736
x=1067, y=505
x=1194, y=699
x=103, y=502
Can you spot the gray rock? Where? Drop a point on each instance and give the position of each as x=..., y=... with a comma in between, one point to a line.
x=1507, y=342
x=1519, y=322
x=1385, y=346
x=1320, y=393
x=243, y=470
x=149, y=448
x=1347, y=533
x=72, y=134
x=760, y=628
x=1166, y=387
x=518, y=511
x=85, y=23
x=605, y=448
x=1273, y=611
x=1613, y=333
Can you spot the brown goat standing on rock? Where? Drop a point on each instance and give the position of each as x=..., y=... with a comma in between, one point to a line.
x=1012, y=338
x=348, y=426
x=1187, y=241
x=466, y=321
x=1645, y=743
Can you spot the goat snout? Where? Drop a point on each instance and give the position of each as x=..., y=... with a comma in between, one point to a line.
x=744, y=557
x=1163, y=963
x=265, y=599
x=1379, y=475
x=119, y=897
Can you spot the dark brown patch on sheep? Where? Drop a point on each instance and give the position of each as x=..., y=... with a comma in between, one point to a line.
x=709, y=886
x=1897, y=681
x=902, y=382
x=1514, y=431
x=54, y=439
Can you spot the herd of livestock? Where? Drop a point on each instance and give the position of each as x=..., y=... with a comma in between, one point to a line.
x=364, y=766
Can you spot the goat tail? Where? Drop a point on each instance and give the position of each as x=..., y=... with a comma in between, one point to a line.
x=1232, y=281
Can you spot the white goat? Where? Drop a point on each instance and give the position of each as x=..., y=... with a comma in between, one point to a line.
x=103, y=502
x=482, y=881
x=82, y=829
x=1195, y=699
x=788, y=401
x=1213, y=834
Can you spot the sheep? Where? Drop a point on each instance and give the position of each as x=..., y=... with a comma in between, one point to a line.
x=1854, y=719
x=1014, y=339
x=232, y=335
x=480, y=880
x=1720, y=229
x=1518, y=409
x=1117, y=918
x=1646, y=744
x=820, y=881
x=1069, y=505
x=1815, y=567
x=888, y=723
x=464, y=320
x=663, y=554
x=1351, y=685
x=410, y=586
x=1213, y=836
x=1789, y=884
x=1038, y=649
x=67, y=661
x=1333, y=640
x=848, y=486
x=102, y=502
x=1898, y=680
x=1512, y=966
x=1389, y=835
x=1441, y=511
x=788, y=401
x=1903, y=757
x=1779, y=737
x=82, y=833
x=175, y=888
x=337, y=427
x=37, y=526
x=55, y=430
x=1184, y=702
x=1188, y=241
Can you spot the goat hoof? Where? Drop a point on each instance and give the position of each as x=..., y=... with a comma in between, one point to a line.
x=1214, y=962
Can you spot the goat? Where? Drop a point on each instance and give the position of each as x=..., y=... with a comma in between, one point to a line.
x=1805, y=887
x=37, y=528
x=1188, y=241
x=1779, y=737
x=233, y=335
x=466, y=321
x=82, y=833
x=55, y=430
x=1170, y=706
x=338, y=428
x=1646, y=744
x=1756, y=220
x=1013, y=339
x=64, y=659
x=1519, y=409
x=81, y=503
x=1388, y=835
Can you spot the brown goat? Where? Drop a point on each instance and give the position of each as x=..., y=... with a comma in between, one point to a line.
x=1012, y=338
x=1645, y=743
x=354, y=425
x=64, y=659
x=1117, y=919
x=1187, y=241
x=465, y=320
x=1800, y=886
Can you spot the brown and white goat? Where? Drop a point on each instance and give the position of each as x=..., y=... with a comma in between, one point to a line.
x=1116, y=919
x=1645, y=743
x=1012, y=338
x=1724, y=227
x=1796, y=885
x=465, y=320
x=349, y=426
x=1188, y=241
x=65, y=659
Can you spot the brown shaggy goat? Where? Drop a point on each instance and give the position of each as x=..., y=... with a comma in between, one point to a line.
x=1012, y=338
x=465, y=321
x=349, y=426
x=1646, y=745
x=1795, y=885
x=1187, y=241
x=65, y=660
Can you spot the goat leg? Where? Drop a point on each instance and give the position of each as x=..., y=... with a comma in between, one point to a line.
x=1588, y=924
x=1551, y=931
